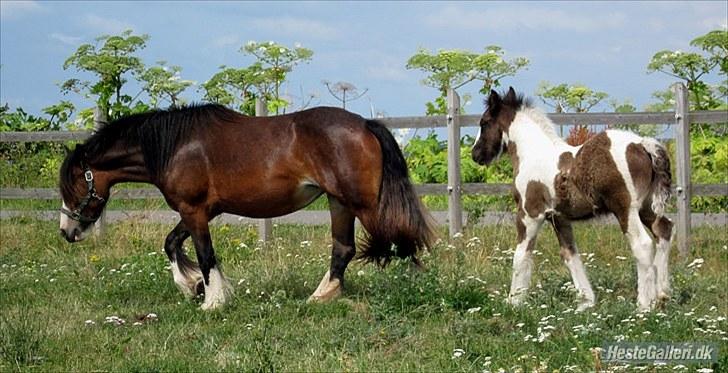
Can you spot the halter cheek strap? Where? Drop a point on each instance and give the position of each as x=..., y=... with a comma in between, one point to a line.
x=76, y=214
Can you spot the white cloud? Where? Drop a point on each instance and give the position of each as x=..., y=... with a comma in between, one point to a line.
x=14, y=9
x=387, y=71
x=103, y=25
x=225, y=41
x=65, y=39
x=291, y=26
x=717, y=22
x=521, y=17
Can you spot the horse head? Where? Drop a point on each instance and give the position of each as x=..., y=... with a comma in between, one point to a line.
x=83, y=195
x=493, y=136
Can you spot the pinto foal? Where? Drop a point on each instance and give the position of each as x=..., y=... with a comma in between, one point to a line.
x=614, y=172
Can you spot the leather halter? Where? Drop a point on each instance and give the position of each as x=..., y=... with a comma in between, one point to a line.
x=76, y=214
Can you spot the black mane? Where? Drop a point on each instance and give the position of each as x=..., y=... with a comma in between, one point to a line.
x=158, y=133
x=520, y=101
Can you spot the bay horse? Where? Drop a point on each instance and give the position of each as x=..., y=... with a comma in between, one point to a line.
x=207, y=160
x=614, y=172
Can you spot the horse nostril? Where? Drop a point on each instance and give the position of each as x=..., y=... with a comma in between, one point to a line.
x=68, y=237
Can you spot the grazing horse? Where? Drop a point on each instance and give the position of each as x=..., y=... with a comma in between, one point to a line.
x=208, y=160
x=614, y=172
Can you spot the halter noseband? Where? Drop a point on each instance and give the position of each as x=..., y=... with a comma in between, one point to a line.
x=91, y=194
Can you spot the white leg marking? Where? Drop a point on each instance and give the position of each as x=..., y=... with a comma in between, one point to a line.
x=662, y=259
x=523, y=262
x=217, y=291
x=186, y=284
x=643, y=251
x=327, y=290
x=581, y=282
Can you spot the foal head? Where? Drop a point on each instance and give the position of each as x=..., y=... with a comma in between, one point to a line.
x=494, y=124
x=83, y=196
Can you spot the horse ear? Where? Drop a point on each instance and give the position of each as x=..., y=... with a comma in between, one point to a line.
x=494, y=100
x=511, y=95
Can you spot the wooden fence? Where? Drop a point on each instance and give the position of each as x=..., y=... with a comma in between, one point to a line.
x=681, y=119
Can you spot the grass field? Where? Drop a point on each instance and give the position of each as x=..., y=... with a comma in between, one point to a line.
x=56, y=299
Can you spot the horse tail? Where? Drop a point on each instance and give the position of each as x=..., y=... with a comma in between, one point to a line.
x=401, y=219
x=661, y=175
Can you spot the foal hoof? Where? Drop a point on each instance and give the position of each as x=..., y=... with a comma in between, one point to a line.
x=583, y=306
x=516, y=300
x=663, y=296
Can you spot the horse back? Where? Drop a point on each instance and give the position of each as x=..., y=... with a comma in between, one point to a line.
x=284, y=161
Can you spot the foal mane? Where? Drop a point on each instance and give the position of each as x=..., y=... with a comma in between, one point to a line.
x=524, y=105
x=543, y=122
x=158, y=133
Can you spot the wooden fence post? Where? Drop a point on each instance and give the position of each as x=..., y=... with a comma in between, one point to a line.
x=684, y=186
x=454, y=187
x=265, y=226
x=100, y=119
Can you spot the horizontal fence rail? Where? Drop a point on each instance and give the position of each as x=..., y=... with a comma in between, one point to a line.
x=439, y=121
x=714, y=190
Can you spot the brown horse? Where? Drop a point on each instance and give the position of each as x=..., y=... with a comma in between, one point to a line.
x=615, y=172
x=207, y=160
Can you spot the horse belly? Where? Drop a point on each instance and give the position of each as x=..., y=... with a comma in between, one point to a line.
x=271, y=201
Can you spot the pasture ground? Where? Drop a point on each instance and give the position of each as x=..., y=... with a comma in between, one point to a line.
x=55, y=299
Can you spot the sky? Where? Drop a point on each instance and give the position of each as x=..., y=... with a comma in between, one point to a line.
x=604, y=45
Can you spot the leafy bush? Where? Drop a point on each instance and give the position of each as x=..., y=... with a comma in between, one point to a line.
x=709, y=161
x=427, y=161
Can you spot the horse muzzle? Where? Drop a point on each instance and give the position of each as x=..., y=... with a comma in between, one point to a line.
x=73, y=235
x=69, y=236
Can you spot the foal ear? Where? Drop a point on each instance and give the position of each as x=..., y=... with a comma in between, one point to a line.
x=494, y=100
x=511, y=95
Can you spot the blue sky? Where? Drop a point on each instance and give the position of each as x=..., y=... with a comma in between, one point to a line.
x=605, y=45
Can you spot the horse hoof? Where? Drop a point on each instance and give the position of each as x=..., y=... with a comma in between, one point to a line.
x=211, y=306
x=325, y=298
x=199, y=288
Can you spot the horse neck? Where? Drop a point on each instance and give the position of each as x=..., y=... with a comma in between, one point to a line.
x=122, y=164
x=531, y=129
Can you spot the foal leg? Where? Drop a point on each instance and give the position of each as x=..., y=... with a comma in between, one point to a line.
x=217, y=288
x=185, y=273
x=571, y=258
x=661, y=228
x=342, y=232
x=643, y=251
x=527, y=228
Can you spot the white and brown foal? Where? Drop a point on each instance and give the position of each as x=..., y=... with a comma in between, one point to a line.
x=614, y=172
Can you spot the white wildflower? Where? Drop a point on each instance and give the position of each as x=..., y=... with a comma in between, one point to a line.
x=116, y=320
x=697, y=263
x=456, y=353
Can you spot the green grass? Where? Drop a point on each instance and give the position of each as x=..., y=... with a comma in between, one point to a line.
x=394, y=319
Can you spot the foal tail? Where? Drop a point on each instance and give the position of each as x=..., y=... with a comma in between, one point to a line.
x=400, y=219
x=661, y=175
